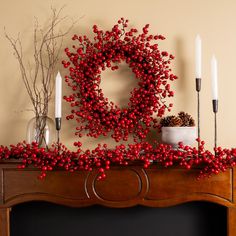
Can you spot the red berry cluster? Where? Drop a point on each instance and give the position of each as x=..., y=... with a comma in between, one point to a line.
x=102, y=158
x=87, y=59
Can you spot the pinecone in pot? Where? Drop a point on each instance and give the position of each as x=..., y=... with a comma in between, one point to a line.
x=180, y=128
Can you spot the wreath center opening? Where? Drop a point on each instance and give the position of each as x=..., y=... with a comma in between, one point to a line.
x=117, y=85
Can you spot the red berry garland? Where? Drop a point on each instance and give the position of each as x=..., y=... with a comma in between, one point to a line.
x=91, y=109
x=102, y=158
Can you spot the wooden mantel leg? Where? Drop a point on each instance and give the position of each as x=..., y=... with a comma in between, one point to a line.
x=231, y=221
x=4, y=222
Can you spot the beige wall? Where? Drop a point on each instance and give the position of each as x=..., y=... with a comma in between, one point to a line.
x=179, y=21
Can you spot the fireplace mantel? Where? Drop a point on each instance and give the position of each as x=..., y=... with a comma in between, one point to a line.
x=123, y=187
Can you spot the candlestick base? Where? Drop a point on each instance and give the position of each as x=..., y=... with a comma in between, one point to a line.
x=198, y=89
x=58, y=127
x=215, y=105
x=215, y=139
x=58, y=123
x=215, y=110
x=198, y=84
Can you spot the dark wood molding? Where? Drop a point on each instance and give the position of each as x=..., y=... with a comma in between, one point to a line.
x=123, y=187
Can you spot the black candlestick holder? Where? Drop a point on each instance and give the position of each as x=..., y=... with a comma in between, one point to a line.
x=215, y=110
x=198, y=89
x=58, y=128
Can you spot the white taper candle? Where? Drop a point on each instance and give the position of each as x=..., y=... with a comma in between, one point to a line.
x=198, y=57
x=214, y=78
x=58, y=94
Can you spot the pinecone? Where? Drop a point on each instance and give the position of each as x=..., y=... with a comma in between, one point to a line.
x=176, y=122
x=183, y=119
x=165, y=122
x=191, y=122
x=187, y=119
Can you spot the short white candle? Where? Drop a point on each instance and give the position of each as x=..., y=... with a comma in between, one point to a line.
x=214, y=78
x=198, y=57
x=58, y=92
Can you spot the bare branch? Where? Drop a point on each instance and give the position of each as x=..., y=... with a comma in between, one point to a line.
x=39, y=78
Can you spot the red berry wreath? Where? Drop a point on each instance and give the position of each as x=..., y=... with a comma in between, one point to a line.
x=91, y=109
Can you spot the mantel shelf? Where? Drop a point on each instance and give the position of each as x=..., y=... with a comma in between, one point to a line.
x=123, y=187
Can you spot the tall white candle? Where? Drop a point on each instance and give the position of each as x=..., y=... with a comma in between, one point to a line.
x=58, y=94
x=214, y=78
x=198, y=57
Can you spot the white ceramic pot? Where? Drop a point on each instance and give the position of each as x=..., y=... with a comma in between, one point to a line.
x=174, y=135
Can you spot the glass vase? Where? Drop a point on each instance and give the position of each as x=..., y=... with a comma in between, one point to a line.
x=41, y=129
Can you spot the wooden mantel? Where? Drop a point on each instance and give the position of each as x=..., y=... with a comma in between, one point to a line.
x=123, y=187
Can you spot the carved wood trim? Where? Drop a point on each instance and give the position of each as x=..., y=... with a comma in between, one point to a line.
x=123, y=187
